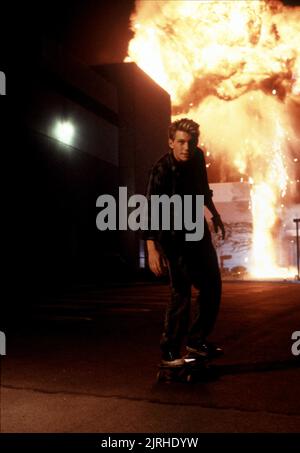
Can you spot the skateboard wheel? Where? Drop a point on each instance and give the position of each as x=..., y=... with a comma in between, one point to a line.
x=189, y=378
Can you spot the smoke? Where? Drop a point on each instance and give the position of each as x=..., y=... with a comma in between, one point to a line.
x=234, y=67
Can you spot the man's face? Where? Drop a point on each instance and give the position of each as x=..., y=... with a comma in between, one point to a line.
x=183, y=146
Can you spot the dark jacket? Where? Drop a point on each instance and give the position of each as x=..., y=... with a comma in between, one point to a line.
x=168, y=176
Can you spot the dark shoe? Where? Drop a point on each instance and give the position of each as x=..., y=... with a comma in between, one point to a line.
x=172, y=359
x=206, y=349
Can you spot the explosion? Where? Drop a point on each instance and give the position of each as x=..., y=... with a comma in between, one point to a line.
x=233, y=66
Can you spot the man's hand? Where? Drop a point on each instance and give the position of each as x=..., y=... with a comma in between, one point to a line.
x=156, y=260
x=217, y=223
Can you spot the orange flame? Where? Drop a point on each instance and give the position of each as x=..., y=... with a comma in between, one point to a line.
x=235, y=67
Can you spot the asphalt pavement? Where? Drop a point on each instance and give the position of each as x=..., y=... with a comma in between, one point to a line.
x=87, y=362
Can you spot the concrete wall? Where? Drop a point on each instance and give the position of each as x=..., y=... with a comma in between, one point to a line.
x=63, y=181
x=120, y=130
x=145, y=114
x=92, y=134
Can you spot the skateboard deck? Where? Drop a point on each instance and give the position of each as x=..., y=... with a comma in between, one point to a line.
x=191, y=371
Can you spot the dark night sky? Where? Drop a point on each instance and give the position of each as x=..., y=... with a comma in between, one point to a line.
x=96, y=31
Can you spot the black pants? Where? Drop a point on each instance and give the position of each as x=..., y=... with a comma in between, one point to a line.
x=196, y=265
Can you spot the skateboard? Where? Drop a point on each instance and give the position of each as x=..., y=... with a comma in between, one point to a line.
x=194, y=369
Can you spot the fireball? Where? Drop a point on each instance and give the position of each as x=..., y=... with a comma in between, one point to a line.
x=233, y=66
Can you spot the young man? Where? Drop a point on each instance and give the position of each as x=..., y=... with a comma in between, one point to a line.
x=182, y=171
